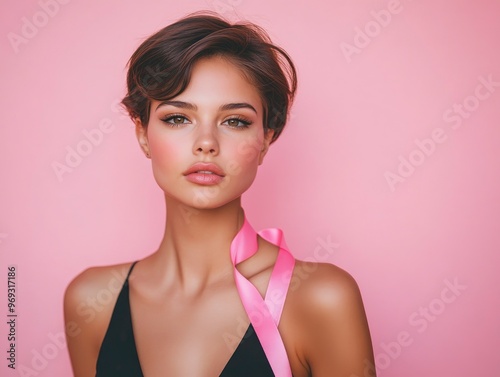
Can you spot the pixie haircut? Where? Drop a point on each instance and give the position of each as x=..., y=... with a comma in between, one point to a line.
x=161, y=67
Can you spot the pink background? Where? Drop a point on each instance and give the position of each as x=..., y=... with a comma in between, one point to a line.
x=325, y=179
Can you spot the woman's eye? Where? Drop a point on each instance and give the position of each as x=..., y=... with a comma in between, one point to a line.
x=237, y=123
x=175, y=120
x=178, y=120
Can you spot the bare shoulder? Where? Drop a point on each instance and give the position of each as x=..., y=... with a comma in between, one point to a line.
x=91, y=295
x=93, y=280
x=326, y=302
x=323, y=286
x=89, y=301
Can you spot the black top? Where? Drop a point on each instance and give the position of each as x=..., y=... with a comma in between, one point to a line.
x=118, y=354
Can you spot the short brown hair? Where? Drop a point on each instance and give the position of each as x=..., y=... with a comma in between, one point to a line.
x=160, y=68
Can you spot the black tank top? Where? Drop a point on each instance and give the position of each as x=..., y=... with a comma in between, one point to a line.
x=118, y=354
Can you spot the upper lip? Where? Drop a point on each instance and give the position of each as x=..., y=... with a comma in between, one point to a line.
x=205, y=166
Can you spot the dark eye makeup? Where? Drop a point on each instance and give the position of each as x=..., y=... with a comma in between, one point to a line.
x=176, y=120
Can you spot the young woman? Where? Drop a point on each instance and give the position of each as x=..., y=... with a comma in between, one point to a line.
x=216, y=298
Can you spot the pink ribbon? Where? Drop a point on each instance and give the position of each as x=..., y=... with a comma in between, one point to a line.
x=264, y=314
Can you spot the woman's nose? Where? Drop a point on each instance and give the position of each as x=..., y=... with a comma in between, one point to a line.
x=206, y=141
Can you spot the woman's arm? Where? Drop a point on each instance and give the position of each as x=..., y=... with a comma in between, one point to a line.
x=338, y=341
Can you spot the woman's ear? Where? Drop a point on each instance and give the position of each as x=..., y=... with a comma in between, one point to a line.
x=268, y=135
x=142, y=136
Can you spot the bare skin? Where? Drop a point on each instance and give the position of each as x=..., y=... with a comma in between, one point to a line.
x=187, y=315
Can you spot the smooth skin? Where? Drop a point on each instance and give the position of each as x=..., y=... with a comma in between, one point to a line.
x=187, y=315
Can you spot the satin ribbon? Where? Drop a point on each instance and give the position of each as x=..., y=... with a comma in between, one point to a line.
x=264, y=314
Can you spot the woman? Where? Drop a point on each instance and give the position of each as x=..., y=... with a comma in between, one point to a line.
x=208, y=99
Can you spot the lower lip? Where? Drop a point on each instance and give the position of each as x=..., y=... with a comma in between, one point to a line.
x=204, y=179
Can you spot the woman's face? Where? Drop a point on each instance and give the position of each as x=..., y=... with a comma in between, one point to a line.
x=215, y=123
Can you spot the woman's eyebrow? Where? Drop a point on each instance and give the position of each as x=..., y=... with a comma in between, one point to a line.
x=180, y=104
x=239, y=105
x=190, y=106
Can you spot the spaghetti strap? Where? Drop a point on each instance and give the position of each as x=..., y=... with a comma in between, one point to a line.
x=130, y=270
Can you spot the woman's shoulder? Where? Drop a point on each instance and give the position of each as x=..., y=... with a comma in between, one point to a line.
x=90, y=297
x=89, y=301
x=327, y=308
x=93, y=280
x=324, y=276
x=323, y=287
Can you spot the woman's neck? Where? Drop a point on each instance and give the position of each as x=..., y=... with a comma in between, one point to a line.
x=195, y=247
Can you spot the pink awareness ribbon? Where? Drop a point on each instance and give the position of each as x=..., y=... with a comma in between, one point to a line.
x=264, y=314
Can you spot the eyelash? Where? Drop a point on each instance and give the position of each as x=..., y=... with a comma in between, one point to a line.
x=245, y=123
x=168, y=118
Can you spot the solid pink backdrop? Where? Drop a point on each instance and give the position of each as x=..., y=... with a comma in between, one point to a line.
x=388, y=168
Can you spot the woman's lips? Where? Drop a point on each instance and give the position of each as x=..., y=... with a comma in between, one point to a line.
x=204, y=173
x=204, y=178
